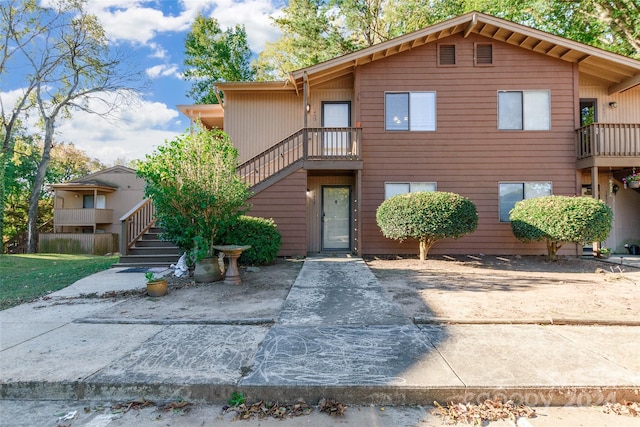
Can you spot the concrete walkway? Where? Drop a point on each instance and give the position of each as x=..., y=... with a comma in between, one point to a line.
x=338, y=335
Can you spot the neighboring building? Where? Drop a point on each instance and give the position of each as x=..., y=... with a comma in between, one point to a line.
x=87, y=211
x=475, y=105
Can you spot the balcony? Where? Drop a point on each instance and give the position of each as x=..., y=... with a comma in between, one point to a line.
x=82, y=217
x=608, y=144
x=311, y=148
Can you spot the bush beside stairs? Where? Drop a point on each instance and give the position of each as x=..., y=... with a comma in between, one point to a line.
x=150, y=251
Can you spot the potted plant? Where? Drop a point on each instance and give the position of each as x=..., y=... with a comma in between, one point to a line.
x=603, y=252
x=196, y=192
x=156, y=287
x=207, y=263
x=632, y=181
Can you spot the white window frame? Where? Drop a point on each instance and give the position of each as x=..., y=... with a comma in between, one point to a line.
x=410, y=187
x=530, y=104
x=414, y=119
x=529, y=190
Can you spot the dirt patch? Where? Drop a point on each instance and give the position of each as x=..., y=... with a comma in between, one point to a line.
x=259, y=298
x=477, y=288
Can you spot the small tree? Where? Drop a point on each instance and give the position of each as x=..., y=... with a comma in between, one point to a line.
x=427, y=217
x=195, y=189
x=561, y=219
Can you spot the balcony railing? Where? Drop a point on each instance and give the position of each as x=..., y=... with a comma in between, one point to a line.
x=608, y=140
x=82, y=217
x=306, y=144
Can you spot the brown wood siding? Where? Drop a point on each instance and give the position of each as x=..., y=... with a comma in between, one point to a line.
x=314, y=206
x=257, y=120
x=285, y=202
x=466, y=154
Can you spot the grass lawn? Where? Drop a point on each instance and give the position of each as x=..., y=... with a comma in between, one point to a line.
x=29, y=276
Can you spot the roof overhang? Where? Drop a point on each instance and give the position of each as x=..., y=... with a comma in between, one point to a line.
x=77, y=186
x=210, y=115
x=619, y=72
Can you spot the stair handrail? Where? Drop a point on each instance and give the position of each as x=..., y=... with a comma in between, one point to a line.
x=290, y=145
x=18, y=243
x=135, y=223
x=296, y=147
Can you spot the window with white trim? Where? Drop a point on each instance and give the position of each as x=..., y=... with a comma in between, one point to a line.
x=394, y=188
x=510, y=193
x=524, y=110
x=412, y=111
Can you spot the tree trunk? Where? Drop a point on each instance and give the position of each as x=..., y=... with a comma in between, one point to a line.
x=552, y=250
x=425, y=245
x=32, y=223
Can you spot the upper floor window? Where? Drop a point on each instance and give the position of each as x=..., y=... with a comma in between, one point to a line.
x=412, y=111
x=446, y=54
x=394, y=188
x=510, y=193
x=524, y=110
x=483, y=54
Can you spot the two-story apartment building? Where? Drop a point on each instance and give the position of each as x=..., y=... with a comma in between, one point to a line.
x=475, y=105
x=87, y=211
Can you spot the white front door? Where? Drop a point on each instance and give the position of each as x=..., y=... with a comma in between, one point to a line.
x=336, y=218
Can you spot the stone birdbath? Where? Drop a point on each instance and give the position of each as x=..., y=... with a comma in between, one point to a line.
x=233, y=252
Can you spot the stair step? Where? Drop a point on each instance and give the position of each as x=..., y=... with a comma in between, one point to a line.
x=155, y=250
x=154, y=244
x=146, y=259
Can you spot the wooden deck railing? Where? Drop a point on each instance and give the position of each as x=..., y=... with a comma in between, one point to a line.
x=305, y=144
x=135, y=223
x=82, y=217
x=608, y=140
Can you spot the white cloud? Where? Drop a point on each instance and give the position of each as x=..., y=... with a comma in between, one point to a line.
x=139, y=22
x=163, y=70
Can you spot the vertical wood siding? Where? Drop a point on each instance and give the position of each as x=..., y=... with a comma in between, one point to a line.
x=285, y=202
x=466, y=154
x=256, y=121
x=628, y=110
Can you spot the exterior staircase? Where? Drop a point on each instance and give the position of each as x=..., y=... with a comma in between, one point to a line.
x=150, y=251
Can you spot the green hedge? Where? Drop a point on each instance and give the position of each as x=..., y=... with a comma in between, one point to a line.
x=561, y=219
x=261, y=233
x=427, y=217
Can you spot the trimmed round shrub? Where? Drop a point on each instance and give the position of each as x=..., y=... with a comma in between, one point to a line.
x=426, y=217
x=561, y=219
x=261, y=233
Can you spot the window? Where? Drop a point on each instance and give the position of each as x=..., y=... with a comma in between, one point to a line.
x=524, y=110
x=88, y=202
x=484, y=54
x=511, y=193
x=412, y=111
x=394, y=188
x=446, y=54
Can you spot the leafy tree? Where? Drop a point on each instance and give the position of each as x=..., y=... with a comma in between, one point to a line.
x=66, y=63
x=67, y=163
x=193, y=183
x=213, y=55
x=561, y=219
x=317, y=30
x=311, y=33
x=426, y=217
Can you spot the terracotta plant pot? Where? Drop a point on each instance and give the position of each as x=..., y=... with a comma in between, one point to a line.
x=207, y=270
x=157, y=288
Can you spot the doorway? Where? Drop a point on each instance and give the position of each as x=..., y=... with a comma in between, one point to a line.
x=336, y=217
x=336, y=115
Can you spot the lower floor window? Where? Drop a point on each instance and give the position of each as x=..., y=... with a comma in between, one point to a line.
x=394, y=188
x=511, y=193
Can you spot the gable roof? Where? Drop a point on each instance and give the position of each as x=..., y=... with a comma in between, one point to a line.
x=90, y=181
x=620, y=72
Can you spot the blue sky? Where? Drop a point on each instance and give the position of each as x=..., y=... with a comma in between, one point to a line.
x=154, y=32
